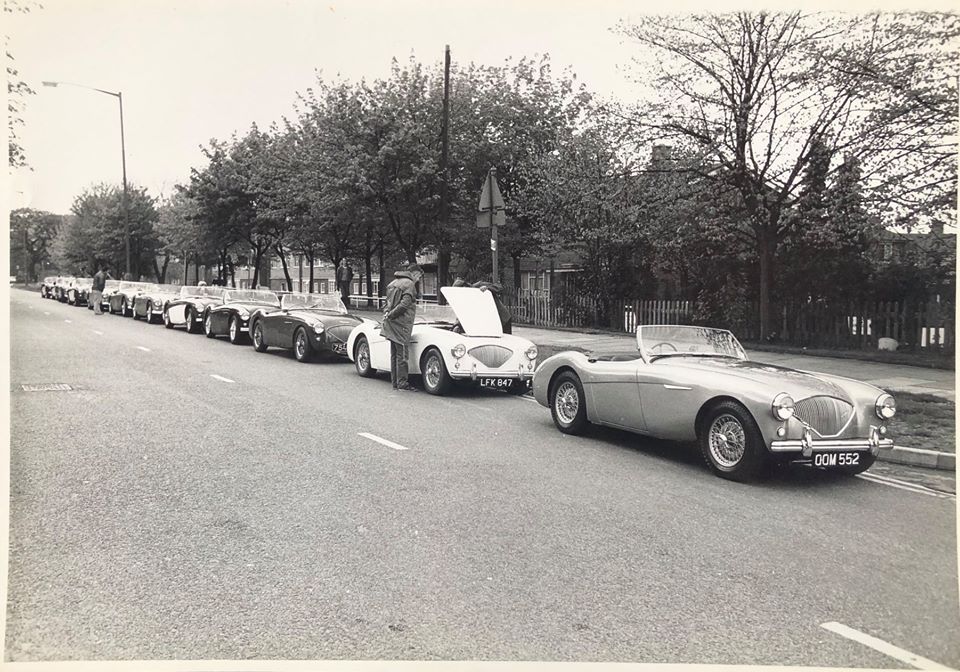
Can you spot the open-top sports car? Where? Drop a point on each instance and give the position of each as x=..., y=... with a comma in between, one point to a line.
x=695, y=384
x=79, y=291
x=46, y=287
x=191, y=307
x=60, y=287
x=121, y=300
x=110, y=288
x=306, y=323
x=239, y=308
x=151, y=300
x=462, y=342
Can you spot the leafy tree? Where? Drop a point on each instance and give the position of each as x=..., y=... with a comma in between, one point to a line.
x=32, y=233
x=178, y=230
x=17, y=91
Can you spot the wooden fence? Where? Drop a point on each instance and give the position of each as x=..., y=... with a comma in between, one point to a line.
x=927, y=326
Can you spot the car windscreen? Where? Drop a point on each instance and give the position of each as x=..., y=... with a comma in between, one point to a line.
x=434, y=314
x=192, y=290
x=671, y=340
x=110, y=284
x=129, y=286
x=251, y=295
x=329, y=302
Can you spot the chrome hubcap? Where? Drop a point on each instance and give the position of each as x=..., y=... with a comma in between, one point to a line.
x=257, y=336
x=567, y=402
x=363, y=356
x=207, y=327
x=727, y=441
x=233, y=329
x=301, y=345
x=432, y=372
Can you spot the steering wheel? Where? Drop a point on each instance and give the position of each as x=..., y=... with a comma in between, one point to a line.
x=664, y=343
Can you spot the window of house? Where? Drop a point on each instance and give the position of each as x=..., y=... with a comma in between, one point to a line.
x=887, y=251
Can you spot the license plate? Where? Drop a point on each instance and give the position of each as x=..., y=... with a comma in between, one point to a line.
x=836, y=459
x=339, y=348
x=498, y=383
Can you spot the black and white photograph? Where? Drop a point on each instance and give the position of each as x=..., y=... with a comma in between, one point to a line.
x=493, y=335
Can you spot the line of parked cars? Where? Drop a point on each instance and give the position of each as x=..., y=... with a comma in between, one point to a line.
x=683, y=383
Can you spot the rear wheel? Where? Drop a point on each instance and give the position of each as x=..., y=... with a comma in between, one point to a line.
x=236, y=331
x=433, y=370
x=258, y=343
x=361, y=358
x=208, y=326
x=568, y=405
x=302, y=349
x=149, y=314
x=731, y=443
x=123, y=309
x=166, y=319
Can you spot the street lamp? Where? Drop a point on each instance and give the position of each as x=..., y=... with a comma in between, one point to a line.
x=123, y=158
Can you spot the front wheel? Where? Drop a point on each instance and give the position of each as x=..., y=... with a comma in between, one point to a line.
x=731, y=443
x=166, y=319
x=302, y=349
x=361, y=358
x=436, y=379
x=236, y=331
x=191, y=320
x=208, y=327
x=149, y=315
x=568, y=404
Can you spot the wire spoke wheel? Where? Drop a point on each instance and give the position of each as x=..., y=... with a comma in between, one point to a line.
x=728, y=443
x=432, y=372
x=567, y=402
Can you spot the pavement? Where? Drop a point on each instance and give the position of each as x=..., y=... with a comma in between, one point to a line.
x=189, y=499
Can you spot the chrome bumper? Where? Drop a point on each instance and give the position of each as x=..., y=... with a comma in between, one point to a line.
x=807, y=445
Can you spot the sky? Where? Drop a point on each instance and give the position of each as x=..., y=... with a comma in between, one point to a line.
x=194, y=70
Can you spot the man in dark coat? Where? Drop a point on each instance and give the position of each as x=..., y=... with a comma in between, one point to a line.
x=96, y=290
x=398, y=315
x=344, y=278
x=496, y=289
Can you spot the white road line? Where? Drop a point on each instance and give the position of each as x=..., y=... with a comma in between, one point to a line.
x=69, y=321
x=901, y=485
x=883, y=647
x=98, y=333
x=140, y=347
x=389, y=444
x=226, y=380
x=46, y=313
x=526, y=398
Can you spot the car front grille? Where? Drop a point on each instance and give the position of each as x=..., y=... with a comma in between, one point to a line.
x=340, y=332
x=492, y=356
x=827, y=415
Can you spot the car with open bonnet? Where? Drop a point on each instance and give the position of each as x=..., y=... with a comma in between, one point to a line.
x=689, y=383
x=459, y=343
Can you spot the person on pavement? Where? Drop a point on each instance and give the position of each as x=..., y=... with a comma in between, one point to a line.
x=96, y=291
x=344, y=278
x=398, y=316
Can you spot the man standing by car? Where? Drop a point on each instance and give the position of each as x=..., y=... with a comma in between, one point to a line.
x=398, y=314
x=344, y=278
x=96, y=291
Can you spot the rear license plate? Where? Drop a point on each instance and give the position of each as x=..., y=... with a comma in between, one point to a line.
x=836, y=459
x=339, y=348
x=499, y=383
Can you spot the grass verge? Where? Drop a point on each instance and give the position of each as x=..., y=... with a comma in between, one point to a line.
x=924, y=421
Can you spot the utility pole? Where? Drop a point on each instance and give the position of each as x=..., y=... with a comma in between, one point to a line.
x=123, y=158
x=443, y=254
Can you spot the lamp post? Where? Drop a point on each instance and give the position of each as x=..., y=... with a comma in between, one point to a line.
x=123, y=158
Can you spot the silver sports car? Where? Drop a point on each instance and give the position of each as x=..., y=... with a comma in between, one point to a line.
x=695, y=384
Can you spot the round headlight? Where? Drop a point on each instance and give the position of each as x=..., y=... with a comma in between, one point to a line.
x=532, y=352
x=318, y=328
x=886, y=407
x=243, y=313
x=783, y=406
x=459, y=350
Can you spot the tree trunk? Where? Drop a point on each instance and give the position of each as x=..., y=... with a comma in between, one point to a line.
x=368, y=271
x=233, y=272
x=186, y=268
x=283, y=262
x=766, y=254
x=156, y=270
x=163, y=269
x=258, y=256
x=310, y=258
x=196, y=267
x=516, y=271
x=443, y=273
x=383, y=272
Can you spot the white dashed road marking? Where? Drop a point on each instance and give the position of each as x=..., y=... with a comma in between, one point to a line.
x=389, y=444
x=46, y=312
x=69, y=321
x=98, y=333
x=883, y=647
x=140, y=347
x=221, y=378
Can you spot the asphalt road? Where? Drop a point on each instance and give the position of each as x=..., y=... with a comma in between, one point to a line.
x=157, y=512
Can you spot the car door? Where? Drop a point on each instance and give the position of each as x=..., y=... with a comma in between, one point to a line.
x=613, y=392
x=671, y=399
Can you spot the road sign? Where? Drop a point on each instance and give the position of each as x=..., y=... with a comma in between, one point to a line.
x=485, y=196
x=491, y=212
x=493, y=244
